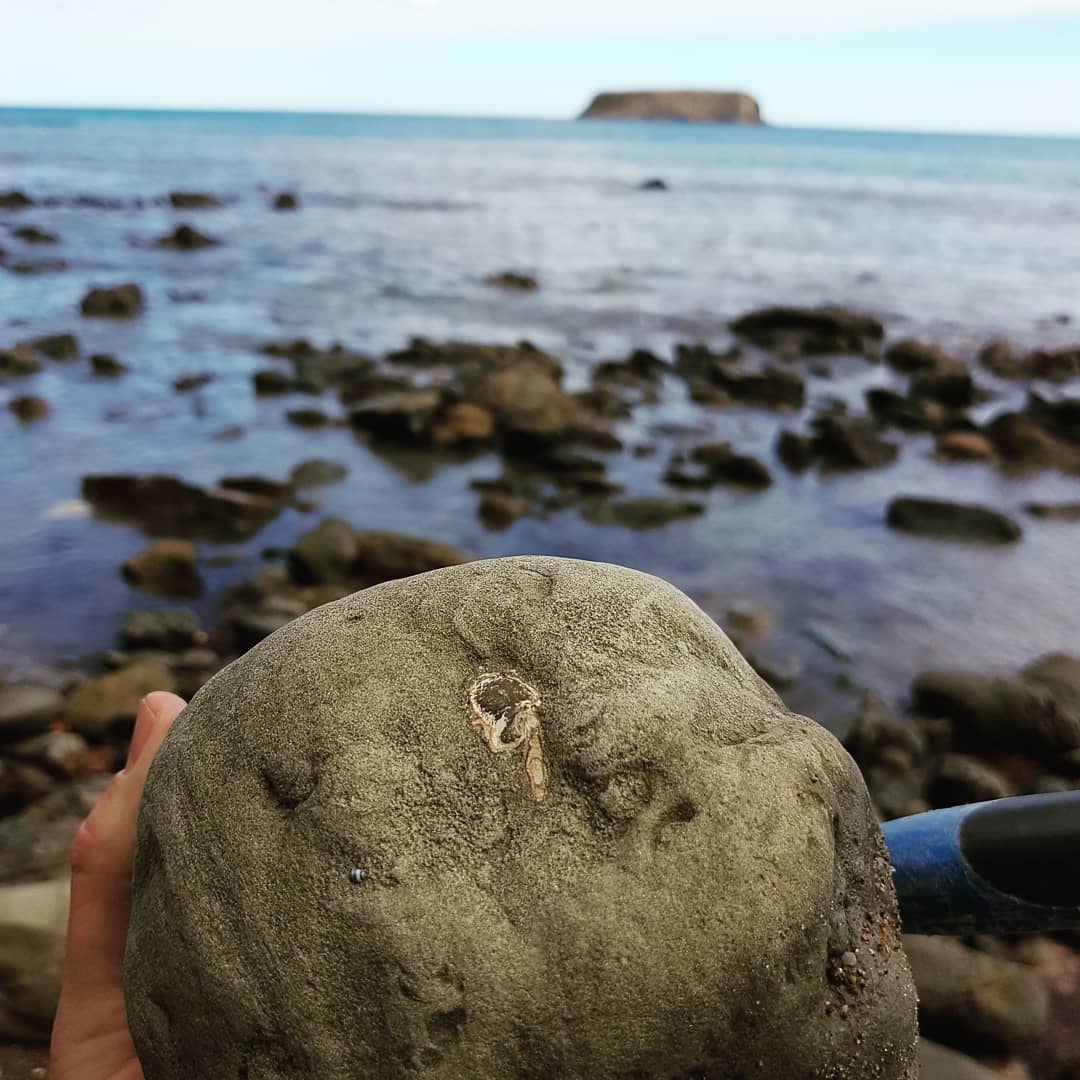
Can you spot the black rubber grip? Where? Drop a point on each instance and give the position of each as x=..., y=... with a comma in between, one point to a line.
x=1028, y=847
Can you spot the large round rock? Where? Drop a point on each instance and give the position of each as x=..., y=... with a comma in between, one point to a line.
x=591, y=841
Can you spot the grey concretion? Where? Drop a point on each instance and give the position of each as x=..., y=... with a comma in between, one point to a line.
x=591, y=843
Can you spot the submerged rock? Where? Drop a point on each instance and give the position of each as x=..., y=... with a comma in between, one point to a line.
x=193, y=200
x=645, y=512
x=29, y=408
x=851, y=442
x=537, y=911
x=166, y=567
x=31, y=234
x=106, y=366
x=57, y=346
x=19, y=360
x=316, y=472
x=187, y=238
x=946, y=520
x=165, y=505
x=510, y=279
x=15, y=200
x=119, y=302
x=286, y=200
x=655, y=184
x=1054, y=511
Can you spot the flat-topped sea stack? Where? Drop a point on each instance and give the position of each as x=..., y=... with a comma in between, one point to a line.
x=698, y=106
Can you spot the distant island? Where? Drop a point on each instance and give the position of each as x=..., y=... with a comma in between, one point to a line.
x=698, y=106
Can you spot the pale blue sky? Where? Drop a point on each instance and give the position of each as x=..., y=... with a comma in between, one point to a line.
x=959, y=65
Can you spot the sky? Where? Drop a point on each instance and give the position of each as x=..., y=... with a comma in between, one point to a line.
x=1010, y=66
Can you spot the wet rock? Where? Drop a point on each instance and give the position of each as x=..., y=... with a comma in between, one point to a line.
x=102, y=703
x=106, y=366
x=1054, y=511
x=723, y=464
x=268, y=383
x=700, y=363
x=364, y=385
x=286, y=200
x=308, y=418
x=33, y=930
x=398, y=418
x=963, y=446
x=325, y=554
x=461, y=423
x=317, y=472
x=119, y=302
x=29, y=408
x=708, y=395
x=15, y=200
x=937, y=1062
x=167, y=629
x=955, y=779
x=316, y=369
x=906, y=413
x=851, y=442
x=31, y=234
x=260, y=486
x=193, y=200
x=57, y=346
x=334, y=553
x=1038, y=712
x=946, y=520
x=911, y=356
x=21, y=784
x=648, y=750
x=499, y=510
x=641, y=366
x=954, y=389
x=167, y=507
x=26, y=707
x=771, y=386
x=166, y=567
x=29, y=267
x=1054, y=365
x=19, y=360
x=803, y=331
x=796, y=451
x=654, y=184
x=521, y=389
x=191, y=380
x=971, y=999
x=1060, y=418
x=646, y=512
x=509, y=279
x=187, y=238
x=603, y=402
x=1020, y=441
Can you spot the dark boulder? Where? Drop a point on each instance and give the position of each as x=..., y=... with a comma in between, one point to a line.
x=804, y=331
x=57, y=346
x=31, y=234
x=187, y=238
x=645, y=512
x=193, y=200
x=398, y=418
x=946, y=520
x=1037, y=712
x=316, y=472
x=119, y=302
x=19, y=360
x=29, y=408
x=286, y=200
x=106, y=366
x=653, y=184
x=851, y=442
x=15, y=200
x=911, y=356
x=166, y=567
x=723, y=464
x=167, y=506
x=271, y=382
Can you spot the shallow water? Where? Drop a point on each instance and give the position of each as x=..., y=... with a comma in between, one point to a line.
x=955, y=239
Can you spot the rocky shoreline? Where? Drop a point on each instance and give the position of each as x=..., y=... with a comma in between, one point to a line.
x=958, y=737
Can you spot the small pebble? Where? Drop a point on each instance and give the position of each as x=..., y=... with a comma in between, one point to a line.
x=849, y=959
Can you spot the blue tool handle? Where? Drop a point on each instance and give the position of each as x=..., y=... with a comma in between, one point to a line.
x=1010, y=866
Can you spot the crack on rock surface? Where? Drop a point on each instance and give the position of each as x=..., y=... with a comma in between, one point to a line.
x=506, y=709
